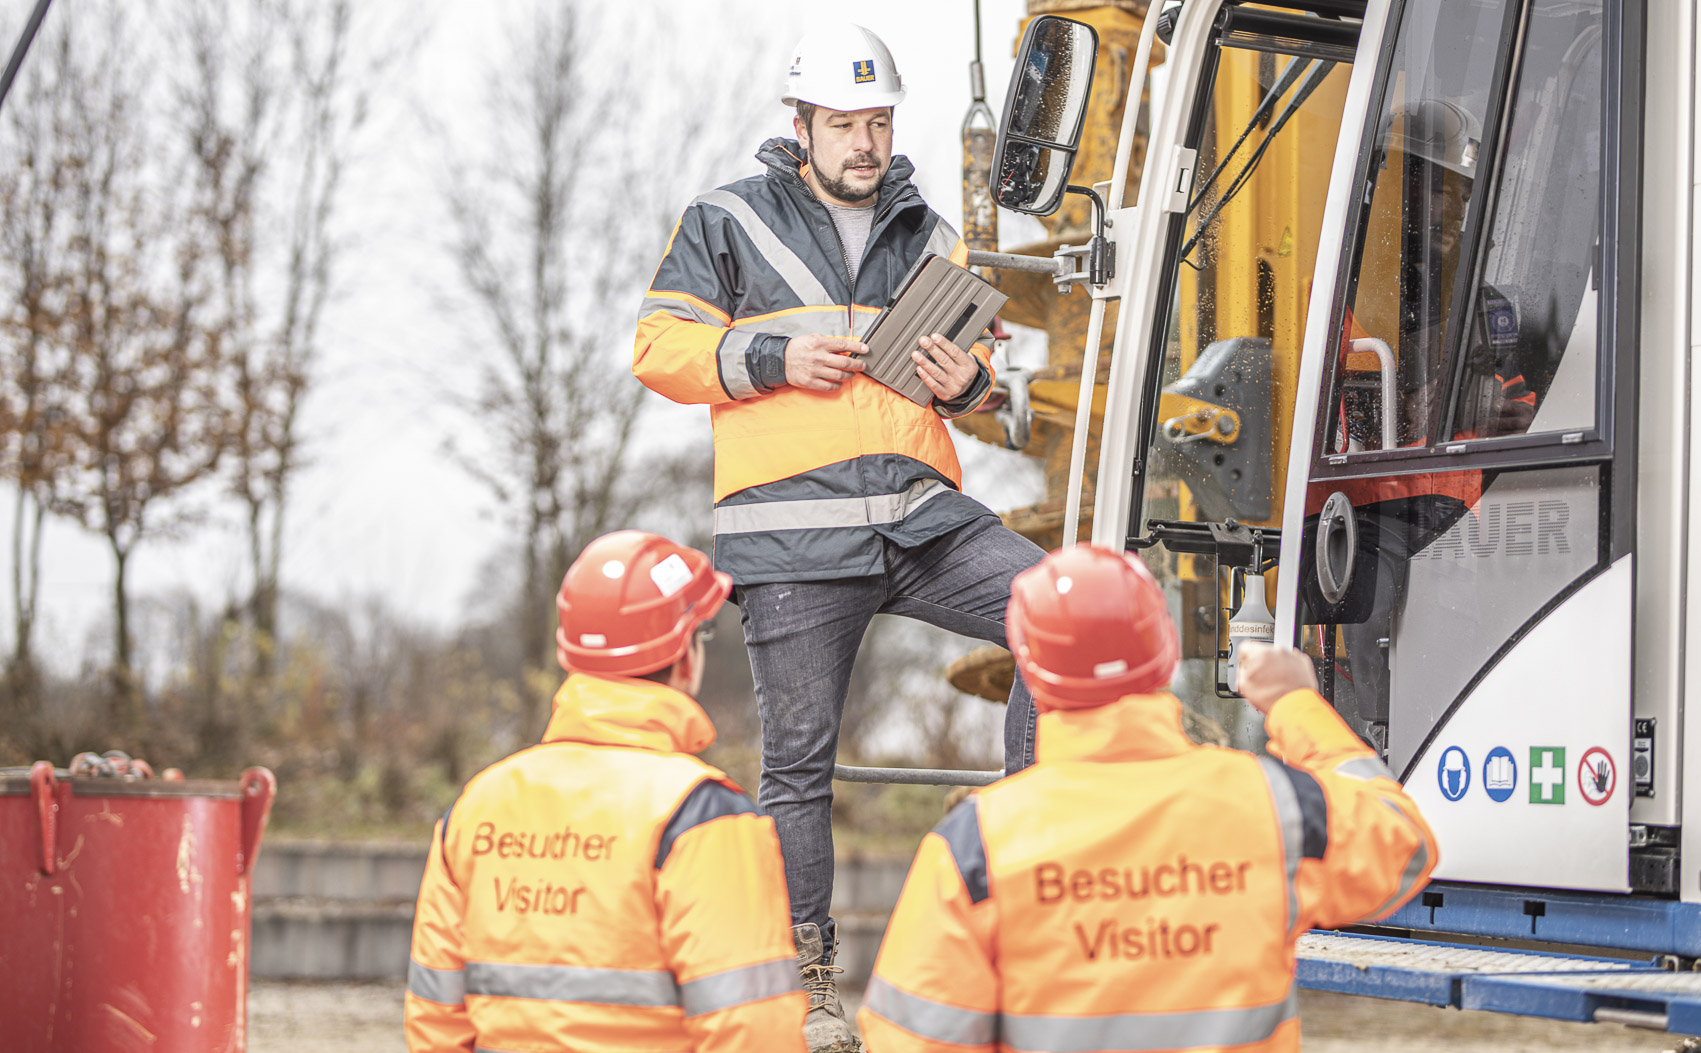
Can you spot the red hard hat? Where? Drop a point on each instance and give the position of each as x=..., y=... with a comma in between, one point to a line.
x=630, y=603
x=1087, y=626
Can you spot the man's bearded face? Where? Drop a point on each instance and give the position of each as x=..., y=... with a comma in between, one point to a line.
x=849, y=153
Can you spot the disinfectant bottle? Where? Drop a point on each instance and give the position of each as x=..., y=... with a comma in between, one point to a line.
x=1252, y=622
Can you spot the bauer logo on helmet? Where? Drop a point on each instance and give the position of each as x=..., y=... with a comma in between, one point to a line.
x=671, y=575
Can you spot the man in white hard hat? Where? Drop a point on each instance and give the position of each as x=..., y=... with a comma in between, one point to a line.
x=836, y=498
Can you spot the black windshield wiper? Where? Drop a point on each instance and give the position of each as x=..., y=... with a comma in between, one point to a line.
x=1313, y=80
x=1290, y=73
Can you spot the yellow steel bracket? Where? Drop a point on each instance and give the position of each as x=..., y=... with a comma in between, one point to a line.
x=1187, y=419
x=1183, y=419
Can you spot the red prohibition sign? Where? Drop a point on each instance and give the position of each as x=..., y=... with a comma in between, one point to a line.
x=1597, y=776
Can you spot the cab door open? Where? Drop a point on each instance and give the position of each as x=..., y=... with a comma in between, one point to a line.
x=1460, y=511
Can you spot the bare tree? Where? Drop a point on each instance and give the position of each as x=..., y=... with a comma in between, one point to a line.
x=33, y=443
x=274, y=103
x=140, y=382
x=555, y=230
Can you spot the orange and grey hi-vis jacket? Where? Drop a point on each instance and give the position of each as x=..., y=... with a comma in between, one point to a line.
x=806, y=482
x=1133, y=890
x=604, y=891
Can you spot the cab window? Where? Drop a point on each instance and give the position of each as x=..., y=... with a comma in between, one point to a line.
x=1470, y=308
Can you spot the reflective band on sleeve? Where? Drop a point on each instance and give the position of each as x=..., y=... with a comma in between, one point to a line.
x=1366, y=768
x=687, y=307
x=828, y=320
x=741, y=986
x=444, y=986
x=572, y=983
x=1138, y=1032
x=1293, y=828
x=942, y=240
x=825, y=513
x=1414, y=866
x=929, y=1019
x=774, y=252
x=735, y=374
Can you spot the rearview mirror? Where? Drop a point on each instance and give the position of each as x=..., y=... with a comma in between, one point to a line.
x=1043, y=114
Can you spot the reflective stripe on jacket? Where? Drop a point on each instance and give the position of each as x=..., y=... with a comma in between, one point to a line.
x=605, y=890
x=806, y=482
x=1135, y=891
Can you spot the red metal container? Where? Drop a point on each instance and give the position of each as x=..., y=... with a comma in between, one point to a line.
x=124, y=912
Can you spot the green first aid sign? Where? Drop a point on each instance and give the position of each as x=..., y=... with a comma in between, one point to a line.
x=1547, y=774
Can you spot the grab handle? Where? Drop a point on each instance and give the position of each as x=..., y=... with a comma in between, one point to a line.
x=44, y=787
x=259, y=786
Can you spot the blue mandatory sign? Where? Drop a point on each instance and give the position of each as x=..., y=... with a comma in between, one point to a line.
x=1453, y=773
x=1499, y=774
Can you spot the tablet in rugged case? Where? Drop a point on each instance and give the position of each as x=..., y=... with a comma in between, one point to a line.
x=937, y=296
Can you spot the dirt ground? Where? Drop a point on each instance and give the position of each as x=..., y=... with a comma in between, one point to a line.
x=366, y=1018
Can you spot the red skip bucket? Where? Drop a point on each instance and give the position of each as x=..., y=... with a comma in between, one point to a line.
x=124, y=911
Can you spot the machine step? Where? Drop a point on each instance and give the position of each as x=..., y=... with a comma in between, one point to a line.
x=1583, y=988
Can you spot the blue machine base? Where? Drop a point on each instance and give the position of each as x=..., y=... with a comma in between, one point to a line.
x=1428, y=971
x=1591, y=919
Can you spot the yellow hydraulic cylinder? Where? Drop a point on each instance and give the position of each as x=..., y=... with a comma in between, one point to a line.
x=1035, y=301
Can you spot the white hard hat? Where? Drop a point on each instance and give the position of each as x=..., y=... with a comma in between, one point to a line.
x=1440, y=131
x=844, y=68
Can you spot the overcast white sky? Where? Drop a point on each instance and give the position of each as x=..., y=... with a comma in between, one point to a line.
x=380, y=510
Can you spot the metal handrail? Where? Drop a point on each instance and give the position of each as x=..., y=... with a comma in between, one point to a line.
x=1010, y=261
x=1385, y=358
x=916, y=776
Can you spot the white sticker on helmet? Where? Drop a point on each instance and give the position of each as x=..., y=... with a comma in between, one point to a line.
x=613, y=569
x=1064, y=584
x=593, y=640
x=671, y=575
x=1109, y=669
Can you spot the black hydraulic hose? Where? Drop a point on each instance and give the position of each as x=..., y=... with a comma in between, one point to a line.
x=1289, y=74
x=22, y=48
x=1312, y=82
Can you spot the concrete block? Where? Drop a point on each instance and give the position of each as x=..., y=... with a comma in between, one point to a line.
x=330, y=940
x=339, y=870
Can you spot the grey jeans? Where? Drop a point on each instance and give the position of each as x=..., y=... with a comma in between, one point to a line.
x=803, y=638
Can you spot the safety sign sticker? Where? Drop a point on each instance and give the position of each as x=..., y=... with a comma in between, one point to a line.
x=1597, y=776
x=1499, y=774
x=1453, y=773
x=1547, y=774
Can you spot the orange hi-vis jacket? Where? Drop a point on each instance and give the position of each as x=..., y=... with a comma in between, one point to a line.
x=806, y=482
x=605, y=890
x=1135, y=891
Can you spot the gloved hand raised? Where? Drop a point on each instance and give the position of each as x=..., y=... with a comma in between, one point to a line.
x=1267, y=673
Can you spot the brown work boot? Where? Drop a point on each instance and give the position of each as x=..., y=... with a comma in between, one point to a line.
x=825, y=1028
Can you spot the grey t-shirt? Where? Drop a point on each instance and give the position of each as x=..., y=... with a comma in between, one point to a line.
x=853, y=225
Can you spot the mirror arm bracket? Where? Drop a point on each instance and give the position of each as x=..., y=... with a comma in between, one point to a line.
x=1098, y=205
x=1101, y=262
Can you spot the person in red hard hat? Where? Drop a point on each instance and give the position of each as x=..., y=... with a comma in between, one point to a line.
x=606, y=889
x=1134, y=890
